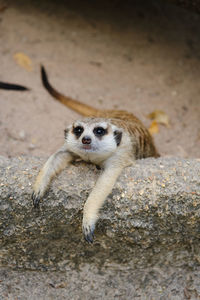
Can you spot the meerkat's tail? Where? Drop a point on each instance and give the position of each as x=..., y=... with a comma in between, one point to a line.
x=12, y=86
x=81, y=108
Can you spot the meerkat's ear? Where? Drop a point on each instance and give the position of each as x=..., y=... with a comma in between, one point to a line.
x=66, y=131
x=118, y=137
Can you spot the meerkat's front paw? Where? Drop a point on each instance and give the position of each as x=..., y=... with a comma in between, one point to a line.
x=88, y=233
x=88, y=230
x=38, y=193
x=36, y=199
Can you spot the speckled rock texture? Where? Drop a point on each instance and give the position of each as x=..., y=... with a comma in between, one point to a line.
x=146, y=244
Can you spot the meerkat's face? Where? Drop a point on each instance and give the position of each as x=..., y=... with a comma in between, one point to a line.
x=93, y=139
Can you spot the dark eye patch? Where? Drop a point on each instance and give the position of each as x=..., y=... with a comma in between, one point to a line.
x=78, y=130
x=100, y=131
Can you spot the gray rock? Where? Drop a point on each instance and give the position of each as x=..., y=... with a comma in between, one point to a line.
x=146, y=241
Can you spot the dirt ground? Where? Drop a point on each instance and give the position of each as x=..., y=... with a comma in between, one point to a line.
x=140, y=56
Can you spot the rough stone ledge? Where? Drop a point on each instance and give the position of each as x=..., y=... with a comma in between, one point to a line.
x=155, y=204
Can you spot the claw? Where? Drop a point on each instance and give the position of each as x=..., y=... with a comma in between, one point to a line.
x=98, y=167
x=88, y=233
x=89, y=237
x=36, y=200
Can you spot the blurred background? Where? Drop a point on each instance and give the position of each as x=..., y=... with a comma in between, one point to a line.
x=140, y=56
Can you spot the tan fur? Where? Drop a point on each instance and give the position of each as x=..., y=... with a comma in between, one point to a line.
x=125, y=140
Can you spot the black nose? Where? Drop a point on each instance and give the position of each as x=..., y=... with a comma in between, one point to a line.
x=86, y=140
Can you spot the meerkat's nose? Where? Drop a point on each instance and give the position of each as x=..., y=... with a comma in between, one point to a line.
x=86, y=140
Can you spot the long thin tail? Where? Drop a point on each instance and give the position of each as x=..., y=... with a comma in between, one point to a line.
x=81, y=108
x=12, y=86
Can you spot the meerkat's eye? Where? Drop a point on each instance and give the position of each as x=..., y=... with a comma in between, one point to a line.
x=78, y=130
x=99, y=131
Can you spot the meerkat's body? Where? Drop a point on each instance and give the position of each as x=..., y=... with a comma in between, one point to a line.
x=107, y=138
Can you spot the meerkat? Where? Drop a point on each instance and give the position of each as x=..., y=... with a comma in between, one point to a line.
x=109, y=139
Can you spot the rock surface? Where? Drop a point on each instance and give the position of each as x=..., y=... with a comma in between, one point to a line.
x=146, y=241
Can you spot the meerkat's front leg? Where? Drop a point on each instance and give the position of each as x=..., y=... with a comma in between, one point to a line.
x=55, y=164
x=96, y=199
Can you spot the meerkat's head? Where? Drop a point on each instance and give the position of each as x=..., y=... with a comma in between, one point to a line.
x=93, y=139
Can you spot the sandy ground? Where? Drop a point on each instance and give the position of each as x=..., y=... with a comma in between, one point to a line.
x=138, y=55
